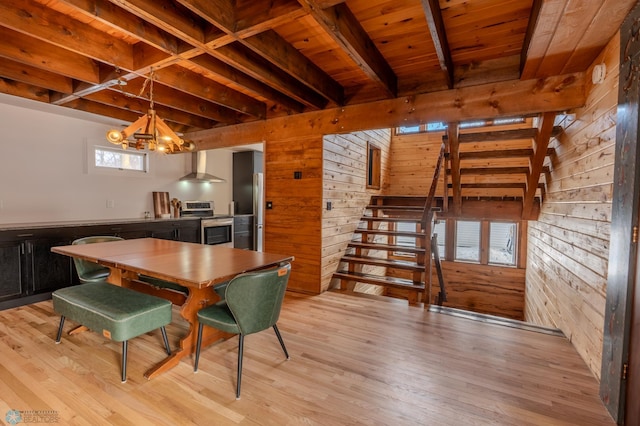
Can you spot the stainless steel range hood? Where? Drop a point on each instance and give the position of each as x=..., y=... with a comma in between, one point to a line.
x=198, y=169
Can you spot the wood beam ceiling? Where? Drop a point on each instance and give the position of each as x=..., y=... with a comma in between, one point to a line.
x=433, y=13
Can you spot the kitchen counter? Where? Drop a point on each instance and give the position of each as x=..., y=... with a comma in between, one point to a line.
x=74, y=223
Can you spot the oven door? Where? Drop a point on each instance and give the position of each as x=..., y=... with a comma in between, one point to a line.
x=217, y=231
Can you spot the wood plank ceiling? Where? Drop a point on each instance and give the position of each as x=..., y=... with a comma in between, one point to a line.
x=230, y=61
x=223, y=62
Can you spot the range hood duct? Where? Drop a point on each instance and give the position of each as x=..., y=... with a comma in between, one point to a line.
x=198, y=169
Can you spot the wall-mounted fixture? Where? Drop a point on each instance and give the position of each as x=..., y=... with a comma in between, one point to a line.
x=149, y=130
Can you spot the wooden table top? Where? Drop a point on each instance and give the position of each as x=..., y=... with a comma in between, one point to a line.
x=188, y=264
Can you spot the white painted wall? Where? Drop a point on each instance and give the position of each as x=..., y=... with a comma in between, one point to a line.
x=44, y=178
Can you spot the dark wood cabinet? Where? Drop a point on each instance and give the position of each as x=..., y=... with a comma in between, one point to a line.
x=186, y=231
x=12, y=268
x=29, y=271
x=243, y=232
x=49, y=271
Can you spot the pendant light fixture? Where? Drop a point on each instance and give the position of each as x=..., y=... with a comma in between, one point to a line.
x=149, y=131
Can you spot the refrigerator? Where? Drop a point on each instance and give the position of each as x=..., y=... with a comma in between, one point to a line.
x=258, y=211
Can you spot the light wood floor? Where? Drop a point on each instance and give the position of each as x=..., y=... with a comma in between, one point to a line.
x=354, y=360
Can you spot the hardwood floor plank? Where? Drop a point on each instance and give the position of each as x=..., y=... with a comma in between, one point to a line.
x=354, y=360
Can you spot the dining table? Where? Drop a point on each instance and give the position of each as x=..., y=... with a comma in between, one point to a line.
x=194, y=267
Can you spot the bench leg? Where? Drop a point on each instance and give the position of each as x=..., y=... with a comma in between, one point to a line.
x=60, y=329
x=166, y=341
x=124, y=361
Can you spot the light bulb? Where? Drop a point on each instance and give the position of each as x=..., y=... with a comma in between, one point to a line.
x=115, y=136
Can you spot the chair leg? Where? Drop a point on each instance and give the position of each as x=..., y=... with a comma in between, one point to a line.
x=240, y=350
x=275, y=328
x=124, y=361
x=59, y=336
x=198, y=344
x=166, y=341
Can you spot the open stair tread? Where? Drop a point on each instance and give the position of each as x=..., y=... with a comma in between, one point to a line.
x=390, y=219
x=379, y=280
x=391, y=263
x=387, y=247
x=389, y=233
x=394, y=207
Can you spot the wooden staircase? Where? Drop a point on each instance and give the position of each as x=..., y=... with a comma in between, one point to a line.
x=369, y=257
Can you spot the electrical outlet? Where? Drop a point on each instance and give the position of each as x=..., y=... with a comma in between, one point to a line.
x=110, y=204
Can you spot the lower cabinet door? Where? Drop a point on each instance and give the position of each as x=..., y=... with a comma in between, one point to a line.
x=12, y=270
x=49, y=271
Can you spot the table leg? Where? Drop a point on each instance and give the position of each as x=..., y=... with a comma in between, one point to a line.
x=197, y=299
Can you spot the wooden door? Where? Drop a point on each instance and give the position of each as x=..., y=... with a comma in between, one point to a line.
x=619, y=383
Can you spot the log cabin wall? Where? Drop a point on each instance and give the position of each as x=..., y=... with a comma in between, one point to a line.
x=293, y=225
x=568, y=247
x=345, y=187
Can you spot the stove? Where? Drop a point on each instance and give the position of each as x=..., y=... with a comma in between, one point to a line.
x=215, y=229
x=197, y=209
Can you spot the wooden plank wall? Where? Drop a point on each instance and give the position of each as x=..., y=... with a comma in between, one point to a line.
x=414, y=161
x=493, y=290
x=344, y=185
x=293, y=225
x=568, y=247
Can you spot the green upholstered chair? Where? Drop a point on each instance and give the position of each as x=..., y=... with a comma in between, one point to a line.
x=90, y=272
x=251, y=303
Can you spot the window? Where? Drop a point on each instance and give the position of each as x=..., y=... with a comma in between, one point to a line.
x=373, y=166
x=502, y=247
x=113, y=158
x=439, y=126
x=467, y=241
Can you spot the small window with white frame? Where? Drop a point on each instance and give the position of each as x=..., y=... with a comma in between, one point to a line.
x=120, y=159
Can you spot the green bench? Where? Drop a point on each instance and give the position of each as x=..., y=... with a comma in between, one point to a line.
x=118, y=313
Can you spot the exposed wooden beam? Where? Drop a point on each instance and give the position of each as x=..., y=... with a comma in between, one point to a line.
x=250, y=63
x=537, y=161
x=170, y=17
x=57, y=29
x=116, y=17
x=35, y=76
x=170, y=97
x=220, y=13
x=101, y=109
x=454, y=158
x=534, y=16
x=433, y=13
x=116, y=98
x=235, y=76
x=502, y=99
x=256, y=16
x=202, y=87
x=340, y=23
x=32, y=51
x=23, y=90
x=276, y=50
x=292, y=66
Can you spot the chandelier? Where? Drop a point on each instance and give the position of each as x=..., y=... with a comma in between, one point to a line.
x=149, y=130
